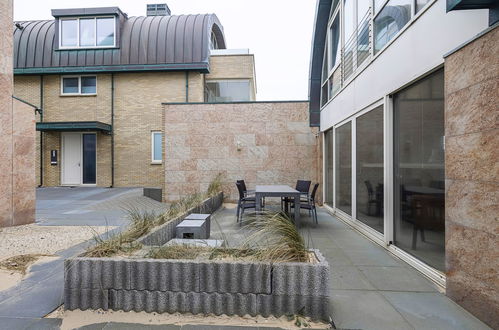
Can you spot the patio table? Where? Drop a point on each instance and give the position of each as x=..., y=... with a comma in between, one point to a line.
x=279, y=191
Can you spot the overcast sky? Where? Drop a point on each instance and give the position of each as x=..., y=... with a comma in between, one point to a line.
x=278, y=32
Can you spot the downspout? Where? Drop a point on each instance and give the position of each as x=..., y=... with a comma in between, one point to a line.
x=41, y=133
x=186, y=86
x=112, y=130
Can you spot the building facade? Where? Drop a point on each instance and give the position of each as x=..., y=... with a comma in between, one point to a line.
x=100, y=77
x=378, y=93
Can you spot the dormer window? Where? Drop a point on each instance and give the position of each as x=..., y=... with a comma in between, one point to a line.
x=87, y=32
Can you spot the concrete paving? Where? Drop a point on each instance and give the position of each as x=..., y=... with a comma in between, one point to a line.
x=41, y=292
x=90, y=206
x=370, y=288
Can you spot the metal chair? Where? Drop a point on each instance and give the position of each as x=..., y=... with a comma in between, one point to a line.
x=310, y=203
x=303, y=186
x=243, y=202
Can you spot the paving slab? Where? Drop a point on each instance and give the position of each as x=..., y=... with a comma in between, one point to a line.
x=397, y=279
x=433, y=311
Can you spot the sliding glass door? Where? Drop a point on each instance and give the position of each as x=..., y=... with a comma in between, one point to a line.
x=369, y=169
x=329, y=185
x=419, y=189
x=343, y=164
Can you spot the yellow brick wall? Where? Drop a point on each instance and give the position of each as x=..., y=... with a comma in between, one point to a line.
x=233, y=67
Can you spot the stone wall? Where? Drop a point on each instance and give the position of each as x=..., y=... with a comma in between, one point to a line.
x=472, y=176
x=17, y=137
x=276, y=146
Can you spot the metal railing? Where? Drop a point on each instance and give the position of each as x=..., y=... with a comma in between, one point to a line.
x=357, y=49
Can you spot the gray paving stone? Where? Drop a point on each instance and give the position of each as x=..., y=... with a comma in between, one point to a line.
x=372, y=257
x=359, y=309
x=138, y=326
x=348, y=278
x=45, y=324
x=397, y=279
x=432, y=311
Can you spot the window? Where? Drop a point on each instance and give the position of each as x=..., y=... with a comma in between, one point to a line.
x=213, y=41
x=87, y=32
x=329, y=189
x=419, y=171
x=80, y=85
x=370, y=168
x=343, y=164
x=227, y=91
x=392, y=18
x=156, y=147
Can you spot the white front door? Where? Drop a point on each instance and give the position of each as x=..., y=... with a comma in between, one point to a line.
x=71, y=158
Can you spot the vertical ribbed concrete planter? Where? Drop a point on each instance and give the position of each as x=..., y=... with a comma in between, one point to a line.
x=162, y=234
x=208, y=287
x=197, y=286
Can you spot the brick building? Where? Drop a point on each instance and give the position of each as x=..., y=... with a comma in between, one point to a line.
x=100, y=78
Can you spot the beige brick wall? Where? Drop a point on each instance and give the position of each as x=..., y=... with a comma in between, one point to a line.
x=138, y=111
x=277, y=145
x=233, y=67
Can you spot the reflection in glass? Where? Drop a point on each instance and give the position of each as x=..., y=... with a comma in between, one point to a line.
x=105, y=31
x=335, y=42
x=370, y=168
x=87, y=31
x=348, y=19
x=329, y=139
x=70, y=85
x=69, y=32
x=343, y=163
x=88, y=85
x=392, y=18
x=89, y=165
x=419, y=189
x=420, y=4
x=227, y=91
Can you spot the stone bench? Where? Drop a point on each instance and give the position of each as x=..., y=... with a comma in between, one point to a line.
x=196, y=242
x=197, y=229
x=201, y=216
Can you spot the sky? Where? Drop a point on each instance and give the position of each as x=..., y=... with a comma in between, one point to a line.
x=277, y=32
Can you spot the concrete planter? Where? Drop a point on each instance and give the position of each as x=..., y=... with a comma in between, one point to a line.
x=216, y=287
x=197, y=286
x=162, y=234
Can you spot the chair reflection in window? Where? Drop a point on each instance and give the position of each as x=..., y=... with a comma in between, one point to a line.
x=374, y=199
x=428, y=213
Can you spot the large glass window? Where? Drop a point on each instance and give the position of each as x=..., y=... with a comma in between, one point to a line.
x=156, y=147
x=343, y=163
x=105, y=31
x=79, y=85
x=334, y=35
x=419, y=189
x=349, y=21
x=227, y=91
x=329, y=147
x=87, y=32
x=369, y=155
x=420, y=4
x=392, y=18
x=69, y=32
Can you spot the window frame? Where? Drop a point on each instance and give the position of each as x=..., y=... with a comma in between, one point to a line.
x=248, y=80
x=77, y=18
x=153, y=160
x=79, y=86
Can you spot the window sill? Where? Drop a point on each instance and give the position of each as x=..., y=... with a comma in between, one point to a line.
x=157, y=163
x=84, y=95
x=85, y=48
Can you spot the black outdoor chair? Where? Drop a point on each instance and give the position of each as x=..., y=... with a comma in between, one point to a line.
x=244, y=202
x=309, y=204
x=250, y=194
x=303, y=186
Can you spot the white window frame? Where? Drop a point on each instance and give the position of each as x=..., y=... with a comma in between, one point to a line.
x=78, y=32
x=153, y=160
x=79, y=86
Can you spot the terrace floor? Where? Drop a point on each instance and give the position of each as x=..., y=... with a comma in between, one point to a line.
x=369, y=287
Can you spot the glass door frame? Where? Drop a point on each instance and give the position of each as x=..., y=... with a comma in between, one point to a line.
x=386, y=239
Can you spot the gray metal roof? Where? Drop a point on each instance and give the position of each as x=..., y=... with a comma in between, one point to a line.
x=145, y=43
x=319, y=41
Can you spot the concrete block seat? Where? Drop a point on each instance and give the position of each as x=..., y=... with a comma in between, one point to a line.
x=201, y=216
x=196, y=242
x=197, y=229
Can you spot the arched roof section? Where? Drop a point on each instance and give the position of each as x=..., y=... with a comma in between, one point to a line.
x=318, y=43
x=145, y=43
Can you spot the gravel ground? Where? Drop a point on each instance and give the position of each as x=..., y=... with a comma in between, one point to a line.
x=48, y=240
